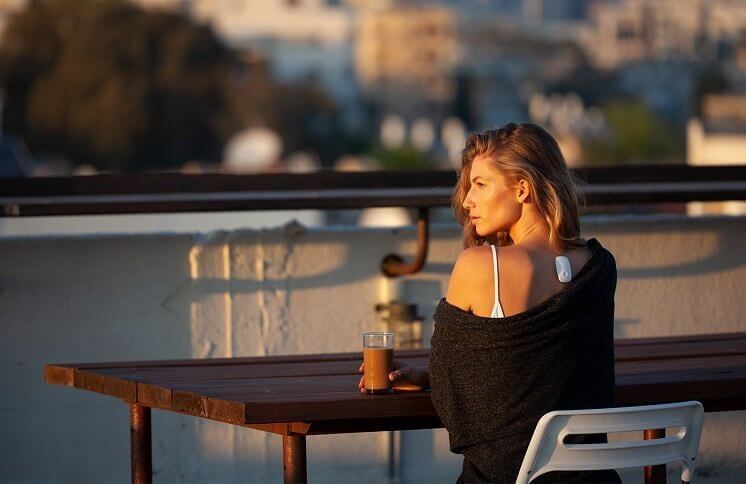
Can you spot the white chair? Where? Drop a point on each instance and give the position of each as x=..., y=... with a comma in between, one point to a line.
x=548, y=451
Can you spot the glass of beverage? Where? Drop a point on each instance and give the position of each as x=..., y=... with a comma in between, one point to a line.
x=378, y=359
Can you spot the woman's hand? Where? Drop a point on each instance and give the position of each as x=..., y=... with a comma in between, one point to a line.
x=404, y=376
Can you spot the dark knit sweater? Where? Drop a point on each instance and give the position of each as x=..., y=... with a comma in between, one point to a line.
x=493, y=378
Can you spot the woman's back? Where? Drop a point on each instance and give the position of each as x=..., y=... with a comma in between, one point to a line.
x=527, y=276
x=492, y=379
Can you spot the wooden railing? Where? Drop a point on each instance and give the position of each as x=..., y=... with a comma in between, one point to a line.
x=160, y=193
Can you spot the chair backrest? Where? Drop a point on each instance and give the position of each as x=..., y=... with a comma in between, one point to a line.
x=548, y=451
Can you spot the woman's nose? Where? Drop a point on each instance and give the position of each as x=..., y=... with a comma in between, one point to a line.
x=467, y=203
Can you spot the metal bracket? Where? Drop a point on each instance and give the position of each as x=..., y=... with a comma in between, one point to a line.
x=393, y=265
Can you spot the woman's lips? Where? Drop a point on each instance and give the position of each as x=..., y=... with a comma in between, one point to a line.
x=473, y=219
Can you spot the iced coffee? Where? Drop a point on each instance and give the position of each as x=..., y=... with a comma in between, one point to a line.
x=378, y=359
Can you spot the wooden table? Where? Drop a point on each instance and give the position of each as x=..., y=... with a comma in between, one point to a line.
x=295, y=396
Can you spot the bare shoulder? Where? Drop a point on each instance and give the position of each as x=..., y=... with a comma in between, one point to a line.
x=469, y=273
x=470, y=264
x=473, y=255
x=514, y=259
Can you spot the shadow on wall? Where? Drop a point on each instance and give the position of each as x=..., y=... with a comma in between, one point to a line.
x=272, y=261
x=276, y=263
x=727, y=254
x=677, y=275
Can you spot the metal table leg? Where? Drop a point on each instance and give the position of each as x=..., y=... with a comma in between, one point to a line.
x=655, y=474
x=140, y=445
x=294, y=458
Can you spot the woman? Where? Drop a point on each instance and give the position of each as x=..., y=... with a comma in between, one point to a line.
x=525, y=329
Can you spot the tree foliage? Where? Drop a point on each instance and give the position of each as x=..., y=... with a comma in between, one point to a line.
x=635, y=136
x=405, y=157
x=124, y=89
x=107, y=83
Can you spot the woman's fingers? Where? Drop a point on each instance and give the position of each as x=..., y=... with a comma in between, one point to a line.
x=361, y=383
x=404, y=378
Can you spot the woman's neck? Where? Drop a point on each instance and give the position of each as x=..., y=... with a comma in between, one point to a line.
x=530, y=228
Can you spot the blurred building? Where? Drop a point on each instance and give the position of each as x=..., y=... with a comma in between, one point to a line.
x=522, y=11
x=503, y=64
x=569, y=121
x=725, y=22
x=304, y=40
x=637, y=29
x=631, y=30
x=667, y=86
x=404, y=59
x=657, y=48
x=301, y=20
x=718, y=137
x=739, y=57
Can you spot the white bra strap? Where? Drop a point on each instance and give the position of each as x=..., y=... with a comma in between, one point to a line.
x=494, y=272
x=497, y=309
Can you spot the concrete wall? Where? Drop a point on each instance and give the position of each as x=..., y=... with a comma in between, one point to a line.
x=290, y=290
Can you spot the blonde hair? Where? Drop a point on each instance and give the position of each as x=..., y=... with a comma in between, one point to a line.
x=524, y=151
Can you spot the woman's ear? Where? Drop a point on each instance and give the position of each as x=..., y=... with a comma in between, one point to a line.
x=523, y=191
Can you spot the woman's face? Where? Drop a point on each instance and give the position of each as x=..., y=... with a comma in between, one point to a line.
x=492, y=205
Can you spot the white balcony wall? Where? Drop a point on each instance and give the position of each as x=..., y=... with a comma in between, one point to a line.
x=283, y=291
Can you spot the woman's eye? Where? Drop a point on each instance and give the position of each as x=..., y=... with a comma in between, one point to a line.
x=480, y=185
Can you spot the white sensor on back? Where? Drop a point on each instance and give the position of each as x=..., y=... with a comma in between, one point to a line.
x=564, y=271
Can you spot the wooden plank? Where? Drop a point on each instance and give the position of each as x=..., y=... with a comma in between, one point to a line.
x=59, y=375
x=291, y=388
x=223, y=404
x=190, y=403
x=679, y=364
x=275, y=386
x=713, y=384
x=339, y=382
x=247, y=360
x=680, y=338
x=154, y=396
x=89, y=380
x=726, y=375
x=171, y=374
x=644, y=348
x=682, y=349
x=223, y=410
x=338, y=407
x=713, y=393
x=115, y=387
x=226, y=411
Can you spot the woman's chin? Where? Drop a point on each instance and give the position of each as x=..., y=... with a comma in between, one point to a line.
x=486, y=233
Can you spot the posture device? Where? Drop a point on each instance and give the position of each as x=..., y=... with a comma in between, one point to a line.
x=564, y=271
